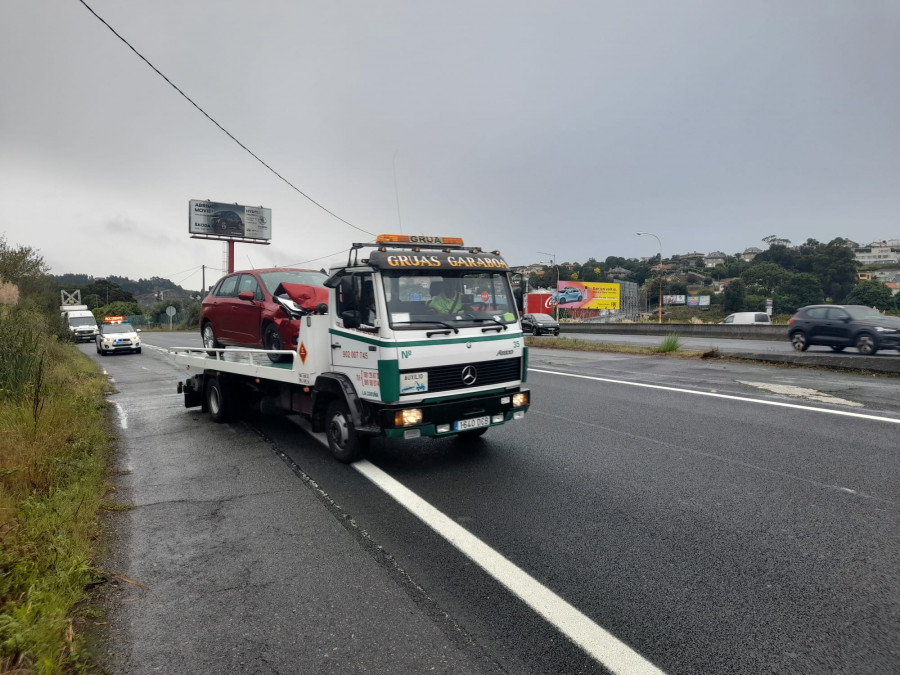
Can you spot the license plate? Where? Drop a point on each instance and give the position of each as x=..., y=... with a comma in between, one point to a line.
x=474, y=423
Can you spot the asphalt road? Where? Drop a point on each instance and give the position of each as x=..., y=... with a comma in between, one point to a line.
x=710, y=517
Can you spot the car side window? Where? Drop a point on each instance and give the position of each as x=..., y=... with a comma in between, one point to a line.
x=837, y=314
x=816, y=313
x=228, y=287
x=249, y=283
x=729, y=319
x=762, y=318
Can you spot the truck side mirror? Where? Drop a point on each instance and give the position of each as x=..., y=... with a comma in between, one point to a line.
x=350, y=318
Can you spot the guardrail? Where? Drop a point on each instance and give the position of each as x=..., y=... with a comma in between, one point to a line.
x=683, y=329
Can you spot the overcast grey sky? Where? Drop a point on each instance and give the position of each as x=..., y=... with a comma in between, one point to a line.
x=520, y=126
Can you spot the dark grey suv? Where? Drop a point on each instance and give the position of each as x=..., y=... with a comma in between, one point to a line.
x=538, y=324
x=841, y=326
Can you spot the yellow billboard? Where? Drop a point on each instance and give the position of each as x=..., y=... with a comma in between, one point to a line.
x=601, y=296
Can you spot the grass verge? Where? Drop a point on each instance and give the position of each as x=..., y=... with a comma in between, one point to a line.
x=54, y=442
x=669, y=346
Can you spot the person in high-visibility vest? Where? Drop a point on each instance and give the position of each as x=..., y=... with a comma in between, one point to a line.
x=445, y=297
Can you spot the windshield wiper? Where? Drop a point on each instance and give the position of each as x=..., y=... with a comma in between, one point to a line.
x=431, y=321
x=496, y=321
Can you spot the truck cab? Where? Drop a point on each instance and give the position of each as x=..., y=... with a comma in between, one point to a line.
x=427, y=332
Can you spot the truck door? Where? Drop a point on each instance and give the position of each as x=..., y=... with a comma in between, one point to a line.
x=355, y=346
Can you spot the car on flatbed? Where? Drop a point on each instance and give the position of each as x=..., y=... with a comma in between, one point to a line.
x=240, y=310
x=842, y=326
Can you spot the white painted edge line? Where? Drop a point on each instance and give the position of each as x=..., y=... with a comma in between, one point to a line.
x=597, y=642
x=780, y=404
x=123, y=416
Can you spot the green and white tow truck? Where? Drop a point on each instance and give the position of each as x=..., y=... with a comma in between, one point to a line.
x=420, y=337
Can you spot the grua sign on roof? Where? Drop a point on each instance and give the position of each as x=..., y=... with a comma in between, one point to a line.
x=229, y=221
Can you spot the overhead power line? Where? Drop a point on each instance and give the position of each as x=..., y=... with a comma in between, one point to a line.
x=223, y=129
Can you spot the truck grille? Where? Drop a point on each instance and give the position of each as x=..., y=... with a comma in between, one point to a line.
x=459, y=376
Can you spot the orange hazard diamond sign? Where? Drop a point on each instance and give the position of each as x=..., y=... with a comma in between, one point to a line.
x=302, y=351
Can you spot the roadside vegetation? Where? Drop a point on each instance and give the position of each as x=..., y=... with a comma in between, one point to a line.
x=669, y=346
x=54, y=442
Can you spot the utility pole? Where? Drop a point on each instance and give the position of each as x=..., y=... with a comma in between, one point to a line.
x=650, y=234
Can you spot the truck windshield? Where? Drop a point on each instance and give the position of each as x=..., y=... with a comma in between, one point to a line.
x=416, y=298
x=82, y=321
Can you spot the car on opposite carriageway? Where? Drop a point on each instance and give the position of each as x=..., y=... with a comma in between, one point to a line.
x=540, y=324
x=842, y=326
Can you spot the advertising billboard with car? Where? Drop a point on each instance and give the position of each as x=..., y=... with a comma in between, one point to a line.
x=229, y=221
x=586, y=295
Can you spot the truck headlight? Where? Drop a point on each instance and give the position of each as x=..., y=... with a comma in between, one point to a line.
x=520, y=399
x=407, y=417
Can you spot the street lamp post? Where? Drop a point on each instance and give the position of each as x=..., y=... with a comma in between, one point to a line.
x=553, y=262
x=650, y=234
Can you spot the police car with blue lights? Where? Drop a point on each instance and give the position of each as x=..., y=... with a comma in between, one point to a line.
x=116, y=336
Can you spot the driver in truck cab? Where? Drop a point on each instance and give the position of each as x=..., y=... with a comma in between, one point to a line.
x=445, y=296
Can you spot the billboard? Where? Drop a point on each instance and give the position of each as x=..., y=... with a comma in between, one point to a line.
x=229, y=221
x=586, y=295
x=698, y=301
x=674, y=300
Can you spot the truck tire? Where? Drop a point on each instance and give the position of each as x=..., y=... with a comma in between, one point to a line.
x=218, y=401
x=344, y=442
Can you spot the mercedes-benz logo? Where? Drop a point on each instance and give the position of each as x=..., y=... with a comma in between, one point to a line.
x=469, y=375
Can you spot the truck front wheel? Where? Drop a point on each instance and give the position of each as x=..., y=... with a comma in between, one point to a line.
x=343, y=440
x=218, y=401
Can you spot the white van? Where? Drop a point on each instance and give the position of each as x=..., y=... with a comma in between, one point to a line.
x=748, y=318
x=82, y=324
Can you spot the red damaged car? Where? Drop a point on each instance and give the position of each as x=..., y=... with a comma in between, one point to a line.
x=250, y=308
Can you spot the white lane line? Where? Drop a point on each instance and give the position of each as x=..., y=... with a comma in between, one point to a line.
x=597, y=642
x=780, y=404
x=123, y=416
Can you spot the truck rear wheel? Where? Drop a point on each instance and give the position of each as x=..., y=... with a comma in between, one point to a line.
x=343, y=440
x=218, y=401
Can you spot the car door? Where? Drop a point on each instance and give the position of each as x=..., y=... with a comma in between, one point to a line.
x=246, y=315
x=816, y=324
x=840, y=326
x=220, y=314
